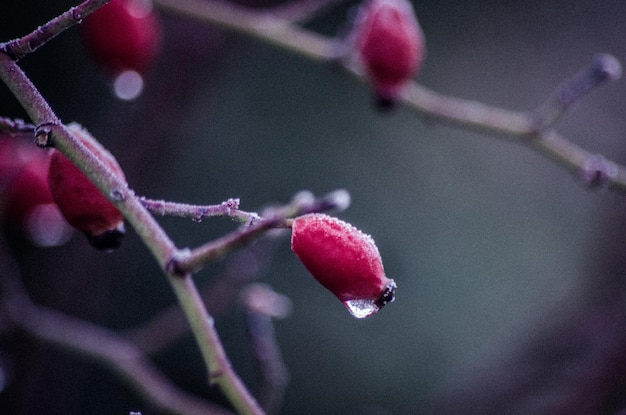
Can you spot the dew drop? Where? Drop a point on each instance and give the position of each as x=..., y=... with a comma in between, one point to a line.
x=128, y=85
x=361, y=308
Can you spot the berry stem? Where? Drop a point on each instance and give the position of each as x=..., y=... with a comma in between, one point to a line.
x=275, y=218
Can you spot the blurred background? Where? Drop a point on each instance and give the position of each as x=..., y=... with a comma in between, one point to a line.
x=511, y=293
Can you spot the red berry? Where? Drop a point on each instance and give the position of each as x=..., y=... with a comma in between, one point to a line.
x=84, y=206
x=14, y=154
x=344, y=260
x=123, y=35
x=390, y=44
x=28, y=205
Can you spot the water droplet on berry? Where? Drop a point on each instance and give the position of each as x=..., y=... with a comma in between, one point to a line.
x=361, y=308
x=128, y=85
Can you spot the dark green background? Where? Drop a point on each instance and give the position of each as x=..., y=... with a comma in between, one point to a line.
x=504, y=261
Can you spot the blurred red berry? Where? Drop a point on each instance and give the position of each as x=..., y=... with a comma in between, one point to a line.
x=344, y=260
x=123, y=35
x=84, y=206
x=390, y=44
x=28, y=205
x=13, y=156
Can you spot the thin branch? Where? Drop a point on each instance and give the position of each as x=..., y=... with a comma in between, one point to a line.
x=153, y=236
x=425, y=102
x=262, y=305
x=197, y=213
x=301, y=10
x=19, y=48
x=259, y=25
x=276, y=218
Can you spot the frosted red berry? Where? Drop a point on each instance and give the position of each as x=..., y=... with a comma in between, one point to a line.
x=84, y=206
x=344, y=260
x=123, y=35
x=390, y=44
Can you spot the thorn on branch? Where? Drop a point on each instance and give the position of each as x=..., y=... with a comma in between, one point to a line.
x=604, y=67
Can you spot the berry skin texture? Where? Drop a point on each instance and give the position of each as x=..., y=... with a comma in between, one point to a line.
x=390, y=44
x=83, y=205
x=123, y=35
x=344, y=260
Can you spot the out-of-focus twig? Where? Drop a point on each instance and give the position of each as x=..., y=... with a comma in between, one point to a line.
x=301, y=10
x=423, y=101
x=603, y=68
x=261, y=25
x=110, y=349
x=219, y=295
x=262, y=304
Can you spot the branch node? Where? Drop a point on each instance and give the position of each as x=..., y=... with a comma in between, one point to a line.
x=174, y=267
x=597, y=171
x=118, y=195
x=43, y=134
x=76, y=14
x=214, y=376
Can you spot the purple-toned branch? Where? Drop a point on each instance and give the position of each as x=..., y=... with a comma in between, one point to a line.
x=197, y=213
x=262, y=305
x=21, y=47
x=302, y=203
